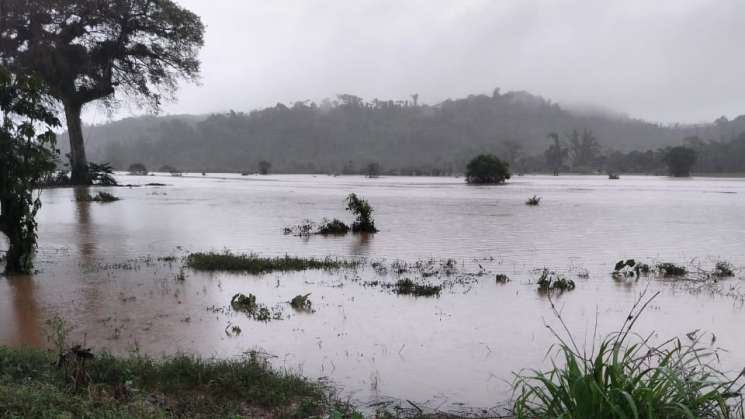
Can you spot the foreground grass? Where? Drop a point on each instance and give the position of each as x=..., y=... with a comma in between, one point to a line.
x=254, y=264
x=627, y=377
x=33, y=386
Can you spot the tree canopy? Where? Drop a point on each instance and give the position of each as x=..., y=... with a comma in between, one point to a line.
x=679, y=160
x=86, y=50
x=487, y=169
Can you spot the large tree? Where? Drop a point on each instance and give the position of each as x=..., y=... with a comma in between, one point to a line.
x=88, y=50
x=27, y=155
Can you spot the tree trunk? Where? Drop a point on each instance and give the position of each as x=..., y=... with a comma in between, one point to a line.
x=78, y=161
x=16, y=259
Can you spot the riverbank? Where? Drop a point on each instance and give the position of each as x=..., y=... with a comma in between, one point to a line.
x=36, y=383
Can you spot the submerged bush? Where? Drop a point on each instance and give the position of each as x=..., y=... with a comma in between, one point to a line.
x=723, y=269
x=551, y=281
x=103, y=197
x=670, y=269
x=487, y=169
x=408, y=287
x=301, y=303
x=627, y=377
x=502, y=279
x=630, y=268
x=332, y=227
x=363, y=211
x=255, y=264
x=247, y=304
x=534, y=201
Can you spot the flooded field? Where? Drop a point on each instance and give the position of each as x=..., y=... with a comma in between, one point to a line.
x=115, y=273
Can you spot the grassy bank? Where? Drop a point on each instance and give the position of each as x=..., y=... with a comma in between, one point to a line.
x=254, y=264
x=33, y=385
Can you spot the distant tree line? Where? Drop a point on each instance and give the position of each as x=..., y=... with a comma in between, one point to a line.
x=350, y=135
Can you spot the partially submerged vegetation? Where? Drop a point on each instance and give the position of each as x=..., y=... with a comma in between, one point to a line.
x=502, y=279
x=723, y=269
x=486, y=169
x=255, y=264
x=551, y=281
x=302, y=303
x=627, y=376
x=102, y=197
x=668, y=269
x=36, y=383
x=408, y=287
x=363, y=223
x=534, y=201
x=247, y=304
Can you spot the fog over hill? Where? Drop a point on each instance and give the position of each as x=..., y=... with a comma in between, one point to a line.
x=347, y=133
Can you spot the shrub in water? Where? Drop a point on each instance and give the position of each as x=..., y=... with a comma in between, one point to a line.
x=301, y=303
x=362, y=209
x=670, y=269
x=502, y=279
x=333, y=227
x=534, y=201
x=723, y=269
x=487, y=169
x=550, y=281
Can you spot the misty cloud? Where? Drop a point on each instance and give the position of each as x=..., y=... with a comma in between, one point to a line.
x=674, y=60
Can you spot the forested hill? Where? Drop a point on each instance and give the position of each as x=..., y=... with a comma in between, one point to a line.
x=346, y=134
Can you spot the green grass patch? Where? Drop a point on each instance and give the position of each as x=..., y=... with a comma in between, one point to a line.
x=255, y=264
x=627, y=376
x=32, y=385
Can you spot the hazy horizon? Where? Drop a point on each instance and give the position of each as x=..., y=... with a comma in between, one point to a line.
x=667, y=61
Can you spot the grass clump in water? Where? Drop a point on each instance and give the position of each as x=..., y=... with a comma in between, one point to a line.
x=551, y=281
x=628, y=377
x=671, y=270
x=408, y=287
x=102, y=197
x=723, y=269
x=254, y=264
x=534, y=201
x=32, y=385
x=247, y=304
x=302, y=303
x=502, y=279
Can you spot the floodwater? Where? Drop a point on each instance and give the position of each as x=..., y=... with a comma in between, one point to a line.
x=98, y=269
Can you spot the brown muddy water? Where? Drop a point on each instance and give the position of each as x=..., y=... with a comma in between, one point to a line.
x=98, y=268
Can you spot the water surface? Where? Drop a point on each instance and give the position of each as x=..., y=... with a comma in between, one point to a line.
x=98, y=268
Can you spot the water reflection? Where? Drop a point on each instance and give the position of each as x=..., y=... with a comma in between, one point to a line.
x=25, y=311
x=360, y=245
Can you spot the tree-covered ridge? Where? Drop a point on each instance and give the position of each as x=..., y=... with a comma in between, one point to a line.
x=347, y=134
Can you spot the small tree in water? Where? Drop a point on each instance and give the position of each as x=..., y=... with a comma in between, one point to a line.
x=487, y=169
x=362, y=209
x=679, y=160
x=264, y=167
x=27, y=156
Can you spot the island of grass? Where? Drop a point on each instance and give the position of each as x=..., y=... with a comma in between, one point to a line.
x=35, y=383
x=255, y=264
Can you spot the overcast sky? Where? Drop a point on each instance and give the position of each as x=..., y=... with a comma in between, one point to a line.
x=661, y=60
